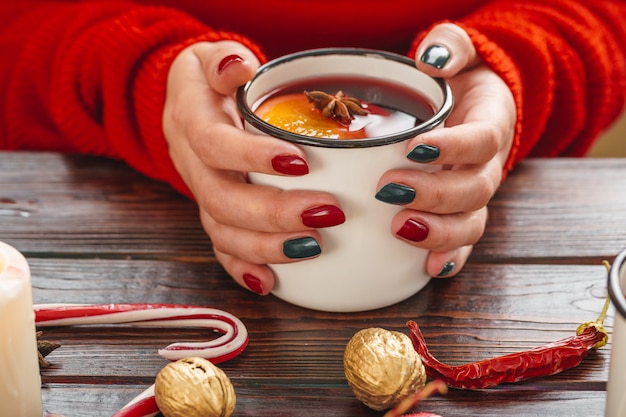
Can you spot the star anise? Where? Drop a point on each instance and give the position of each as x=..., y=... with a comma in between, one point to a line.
x=338, y=107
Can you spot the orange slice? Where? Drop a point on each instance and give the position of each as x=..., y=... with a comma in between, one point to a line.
x=294, y=113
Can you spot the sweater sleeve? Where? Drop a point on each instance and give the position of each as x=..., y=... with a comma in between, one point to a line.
x=90, y=78
x=565, y=63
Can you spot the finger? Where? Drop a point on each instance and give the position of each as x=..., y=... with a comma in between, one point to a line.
x=259, y=247
x=210, y=123
x=256, y=278
x=232, y=201
x=445, y=51
x=214, y=138
x=481, y=125
x=469, y=143
x=447, y=264
x=439, y=233
x=223, y=146
x=462, y=189
x=227, y=65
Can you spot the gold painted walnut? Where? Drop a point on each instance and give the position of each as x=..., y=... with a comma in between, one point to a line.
x=194, y=387
x=382, y=367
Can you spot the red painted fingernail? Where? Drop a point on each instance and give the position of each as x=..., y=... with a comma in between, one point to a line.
x=413, y=230
x=323, y=216
x=227, y=61
x=253, y=283
x=290, y=165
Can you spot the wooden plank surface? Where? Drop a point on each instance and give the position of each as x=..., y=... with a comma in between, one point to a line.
x=93, y=206
x=94, y=231
x=558, y=210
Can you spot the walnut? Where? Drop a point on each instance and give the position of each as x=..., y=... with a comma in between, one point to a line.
x=194, y=387
x=382, y=367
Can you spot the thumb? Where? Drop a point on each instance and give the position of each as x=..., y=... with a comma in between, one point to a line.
x=227, y=65
x=445, y=51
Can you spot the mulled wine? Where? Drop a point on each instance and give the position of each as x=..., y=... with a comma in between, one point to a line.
x=342, y=107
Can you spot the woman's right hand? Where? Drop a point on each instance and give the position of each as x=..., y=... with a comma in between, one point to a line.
x=250, y=226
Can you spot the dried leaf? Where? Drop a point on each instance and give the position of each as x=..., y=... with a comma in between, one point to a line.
x=44, y=348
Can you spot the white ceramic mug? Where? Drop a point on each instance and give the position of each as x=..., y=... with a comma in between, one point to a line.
x=362, y=266
x=616, y=388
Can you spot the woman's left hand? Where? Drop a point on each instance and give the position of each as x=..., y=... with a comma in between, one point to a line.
x=448, y=210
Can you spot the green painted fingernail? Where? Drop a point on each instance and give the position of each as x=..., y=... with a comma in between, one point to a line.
x=448, y=267
x=436, y=56
x=393, y=193
x=302, y=247
x=424, y=153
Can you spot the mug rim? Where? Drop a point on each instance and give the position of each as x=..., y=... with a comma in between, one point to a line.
x=618, y=297
x=249, y=116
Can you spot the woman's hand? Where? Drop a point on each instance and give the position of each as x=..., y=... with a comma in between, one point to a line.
x=447, y=211
x=249, y=225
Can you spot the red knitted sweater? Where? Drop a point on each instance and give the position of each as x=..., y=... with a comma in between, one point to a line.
x=89, y=76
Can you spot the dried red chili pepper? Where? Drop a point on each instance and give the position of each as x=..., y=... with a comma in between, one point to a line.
x=545, y=360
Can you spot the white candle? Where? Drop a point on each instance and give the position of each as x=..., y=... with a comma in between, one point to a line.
x=20, y=382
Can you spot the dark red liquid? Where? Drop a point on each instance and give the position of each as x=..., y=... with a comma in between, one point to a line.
x=402, y=108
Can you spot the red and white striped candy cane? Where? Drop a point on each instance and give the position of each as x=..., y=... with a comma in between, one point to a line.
x=231, y=343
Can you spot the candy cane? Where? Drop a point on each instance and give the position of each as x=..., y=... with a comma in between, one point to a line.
x=231, y=343
x=143, y=405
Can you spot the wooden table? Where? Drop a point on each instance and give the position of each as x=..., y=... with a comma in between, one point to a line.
x=94, y=231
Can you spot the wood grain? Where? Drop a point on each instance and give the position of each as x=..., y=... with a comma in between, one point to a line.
x=94, y=231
